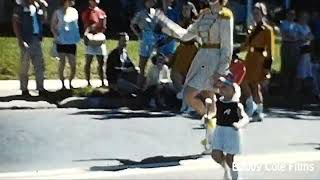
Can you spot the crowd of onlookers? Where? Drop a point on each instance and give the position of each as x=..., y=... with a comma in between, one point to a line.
x=300, y=48
x=169, y=59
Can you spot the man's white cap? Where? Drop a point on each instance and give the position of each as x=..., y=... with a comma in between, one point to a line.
x=19, y=2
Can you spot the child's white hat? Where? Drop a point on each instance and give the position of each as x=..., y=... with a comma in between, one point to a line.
x=236, y=88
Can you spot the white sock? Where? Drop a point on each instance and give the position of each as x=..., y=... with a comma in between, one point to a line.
x=260, y=108
x=251, y=106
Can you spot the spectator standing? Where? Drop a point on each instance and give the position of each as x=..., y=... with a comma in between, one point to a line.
x=304, y=69
x=260, y=45
x=27, y=23
x=143, y=26
x=65, y=29
x=168, y=45
x=316, y=31
x=120, y=71
x=289, y=51
x=95, y=21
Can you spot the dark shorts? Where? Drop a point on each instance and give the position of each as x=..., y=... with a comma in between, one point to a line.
x=67, y=48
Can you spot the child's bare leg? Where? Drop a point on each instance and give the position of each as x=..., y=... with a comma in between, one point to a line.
x=230, y=163
x=220, y=158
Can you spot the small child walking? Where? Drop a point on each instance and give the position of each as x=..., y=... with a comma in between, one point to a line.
x=231, y=117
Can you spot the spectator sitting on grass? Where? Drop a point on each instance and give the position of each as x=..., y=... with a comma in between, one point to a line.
x=157, y=81
x=120, y=71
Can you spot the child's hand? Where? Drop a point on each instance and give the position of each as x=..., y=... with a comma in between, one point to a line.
x=236, y=125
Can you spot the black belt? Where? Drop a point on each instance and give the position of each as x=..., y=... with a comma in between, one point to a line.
x=188, y=43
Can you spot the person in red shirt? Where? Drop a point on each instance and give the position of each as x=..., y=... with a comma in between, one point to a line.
x=94, y=20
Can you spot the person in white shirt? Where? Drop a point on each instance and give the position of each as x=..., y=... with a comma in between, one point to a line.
x=157, y=81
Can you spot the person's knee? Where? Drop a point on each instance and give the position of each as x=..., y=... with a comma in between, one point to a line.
x=217, y=156
x=190, y=95
x=38, y=64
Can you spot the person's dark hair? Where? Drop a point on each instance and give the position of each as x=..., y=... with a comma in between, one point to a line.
x=154, y=59
x=64, y=1
x=262, y=7
x=61, y=3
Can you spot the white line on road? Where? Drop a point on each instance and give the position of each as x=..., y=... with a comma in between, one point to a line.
x=186, y=166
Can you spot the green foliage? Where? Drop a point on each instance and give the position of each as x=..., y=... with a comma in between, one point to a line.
x=10, y=59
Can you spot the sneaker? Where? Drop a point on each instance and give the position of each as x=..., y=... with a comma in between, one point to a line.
x=257, y=117
x=234, y=175
x=26, y=93
x=251, y=107
x=152, y=103
x=43, y=93
x=227, y=174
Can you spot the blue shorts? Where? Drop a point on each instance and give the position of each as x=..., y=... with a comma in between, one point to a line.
x=147, y=44
x=169, y=48
x=226, y=139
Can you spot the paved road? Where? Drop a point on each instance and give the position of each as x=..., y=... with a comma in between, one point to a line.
x=66, y=138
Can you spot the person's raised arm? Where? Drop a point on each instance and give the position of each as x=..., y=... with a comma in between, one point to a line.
x=174, y=30
x=226, y=43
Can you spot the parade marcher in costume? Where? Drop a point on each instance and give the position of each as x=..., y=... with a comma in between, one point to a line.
x=260, y=46
x=65, y=29
x=214, y=29
x=95, y=23
x=185, y=52
x=143, y=26
x=231, y=117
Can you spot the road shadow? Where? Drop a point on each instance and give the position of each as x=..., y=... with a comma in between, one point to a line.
x=316, y=146
x=51, y=97
x=293, y=113
x=152, y=162
x=120, y=114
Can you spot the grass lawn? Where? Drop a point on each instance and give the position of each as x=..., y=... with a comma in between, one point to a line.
x=9, y=58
